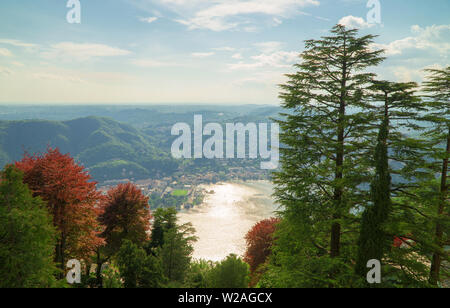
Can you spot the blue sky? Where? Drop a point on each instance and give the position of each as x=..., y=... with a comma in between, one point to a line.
x=195, y=51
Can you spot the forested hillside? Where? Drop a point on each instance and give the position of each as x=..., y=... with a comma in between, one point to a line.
x=111, y=150
x=115, y=142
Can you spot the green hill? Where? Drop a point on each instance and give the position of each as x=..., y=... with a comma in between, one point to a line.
x=109, y=149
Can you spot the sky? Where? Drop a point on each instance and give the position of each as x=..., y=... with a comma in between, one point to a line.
x=197, y=51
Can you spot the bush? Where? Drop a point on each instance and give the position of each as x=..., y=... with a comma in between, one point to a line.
x=230, y=273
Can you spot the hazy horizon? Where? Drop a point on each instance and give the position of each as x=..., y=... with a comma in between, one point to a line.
x=196, y=52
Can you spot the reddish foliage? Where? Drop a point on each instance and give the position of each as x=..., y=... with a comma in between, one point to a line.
x=72, y=199
x=403, y=242
x=126, y=216
x=259, y=242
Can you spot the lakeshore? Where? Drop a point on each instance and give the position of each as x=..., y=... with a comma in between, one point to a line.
x=226, y=215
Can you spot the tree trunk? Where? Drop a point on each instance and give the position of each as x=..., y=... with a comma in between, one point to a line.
x=59, y=255
x=335, y=242
x=98, y=271
x=336, y=227
x=436, y=262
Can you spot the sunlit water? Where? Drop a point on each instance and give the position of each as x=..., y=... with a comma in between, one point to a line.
x=224, y=218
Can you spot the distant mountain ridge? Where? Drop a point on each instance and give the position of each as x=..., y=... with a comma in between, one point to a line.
x=110, y=149
x=119, y=142
x=137, y=116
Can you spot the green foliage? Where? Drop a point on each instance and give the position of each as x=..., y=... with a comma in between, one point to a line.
x=130, y=260
x=27, y=236
x=168, y=201
x=373, y=241
x=137, y=269
x=164, y=220
x=337, y=181
x=180, y=193
x=176, y=252
x=399, y=108
x=437, y=86
x=153, y=273
x=325, y=161
x=172, y=245
x=111, y=150
x=198, y=274
x=326, y=169
x=230, y=273
x=118, y=169
x=111, y=277
x=145, y=267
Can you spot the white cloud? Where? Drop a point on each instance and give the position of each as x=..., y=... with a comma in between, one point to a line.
x=353, y=22
x=237, y=56
x=407, y=73
x=251, y=29
x=244, y=66
x=397, y=47
x=60, y=75
x=226, y=48
x=269, y=47
x=5, y=52
x=16, y=43
x=223, y=15
x=267, y=78
x=82, y=52
x=433, y=38
x=149, y=19
x=153, y=63
x=278, y=59
x=57, y=77
x=203, y=54
x=271, y=57
x=5, y=71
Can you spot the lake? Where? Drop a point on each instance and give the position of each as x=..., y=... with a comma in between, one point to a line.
x=226, y=215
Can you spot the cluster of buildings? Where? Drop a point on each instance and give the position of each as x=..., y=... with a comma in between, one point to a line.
x=189, y=182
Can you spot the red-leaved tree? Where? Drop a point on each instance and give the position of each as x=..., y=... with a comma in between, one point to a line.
x=72, y=199
x=259, y=242
x=126, y=216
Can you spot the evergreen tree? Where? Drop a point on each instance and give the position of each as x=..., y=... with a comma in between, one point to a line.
x=163, y=221
x=373, y=240
x=27, y=236
x=152, y=275
x=131, y=262
x=198, y=274
x=230, y=273
x=137, y=269
x=325, y=161
x=176, y=252
x=437, y=86
x=398, y=107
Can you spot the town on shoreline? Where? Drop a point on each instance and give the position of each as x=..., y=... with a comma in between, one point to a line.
x=187, y=190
